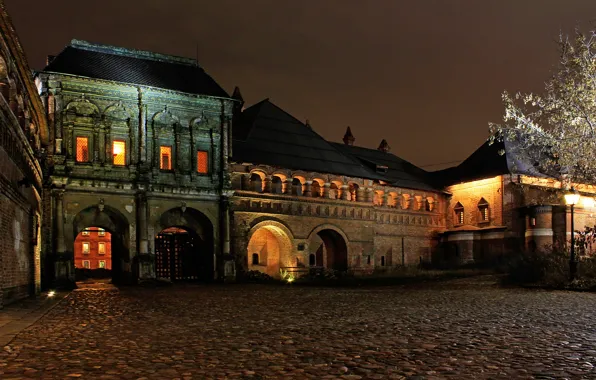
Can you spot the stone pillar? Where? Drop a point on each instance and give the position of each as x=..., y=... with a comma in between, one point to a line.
x=63, y=260
x=369, y=197
x=345, y=189
x=286, y=186
x=308, y=189
x=267, y=184
x=326, y=192
x=360, y=195
x=146, y=265
x=541, y=234
x=385, y=199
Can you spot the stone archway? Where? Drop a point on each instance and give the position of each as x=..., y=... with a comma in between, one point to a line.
x=184, y=247
x=329, y=246
x=117, y=226
x=270, y=248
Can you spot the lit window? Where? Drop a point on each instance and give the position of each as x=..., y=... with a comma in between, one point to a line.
x=86, y=264
x=86, y=248
x=202, y=162
x=459, y=213
x=85, y=233
x=119, y=152
x=165, y=152
x=82, y=149
x=101, y=249
x=483, y=209
x=101, y=232
x=102, y=264
x=533, y=222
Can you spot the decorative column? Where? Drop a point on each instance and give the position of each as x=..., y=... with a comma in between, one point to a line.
x=229, y=266
x=345, y=189
x=142, y=129
x=63, y=261
x=286, y=186
x=368, y=197
x=326, y=192
x=308, y=189
x=360, y=197
x=267, y=184
x=146, y=268
x=385, y=199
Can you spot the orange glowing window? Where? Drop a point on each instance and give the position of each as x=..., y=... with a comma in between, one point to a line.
x=119, y=152
x=101, y=249
x=165, y=152
x=86, y=248
x=82, y=149
x=203, y=162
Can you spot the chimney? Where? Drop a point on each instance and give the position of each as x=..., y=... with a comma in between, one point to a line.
x=49, y=59
x=384, y=147
x=349, y=137
x=308, y=124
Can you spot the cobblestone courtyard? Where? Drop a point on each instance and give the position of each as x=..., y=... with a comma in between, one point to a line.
x=453, y=330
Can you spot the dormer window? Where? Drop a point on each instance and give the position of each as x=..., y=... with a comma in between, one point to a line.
x=382, y=169
x=459, y=214
x=483, y=210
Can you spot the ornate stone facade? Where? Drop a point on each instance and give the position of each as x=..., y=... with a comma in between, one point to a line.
x=23, y=134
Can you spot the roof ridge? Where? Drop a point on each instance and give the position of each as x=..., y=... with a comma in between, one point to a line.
x=133, y=53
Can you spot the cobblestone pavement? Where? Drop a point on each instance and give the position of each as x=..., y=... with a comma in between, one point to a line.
x=456, y=330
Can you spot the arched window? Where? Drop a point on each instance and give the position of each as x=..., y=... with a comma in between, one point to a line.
x=312, y=260
x=429, y=204
x=354, y=192
x=334, y=191
x=255, y=259
x=483, y=210
x=256, y=183
x=405, y=201
x=459, y=214
x=276, y=185
x=296, y=186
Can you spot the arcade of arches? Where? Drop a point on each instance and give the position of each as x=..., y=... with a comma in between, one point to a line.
x=270, y=249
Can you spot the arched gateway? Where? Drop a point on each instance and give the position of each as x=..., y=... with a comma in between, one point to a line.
x=328, y=248
x=184, y=246
x=94, y=220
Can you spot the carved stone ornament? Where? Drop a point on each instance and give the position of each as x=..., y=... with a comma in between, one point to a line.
x=100, y=205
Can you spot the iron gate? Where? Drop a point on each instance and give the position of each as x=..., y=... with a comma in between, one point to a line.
x=177, y=256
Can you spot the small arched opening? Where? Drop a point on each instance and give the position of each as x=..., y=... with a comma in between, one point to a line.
x=353, y=188
x=184, y=246
x=256, y=182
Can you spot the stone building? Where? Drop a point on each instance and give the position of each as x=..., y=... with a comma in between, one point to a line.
x=192, y=186
x=23, y=134
x=140, y=146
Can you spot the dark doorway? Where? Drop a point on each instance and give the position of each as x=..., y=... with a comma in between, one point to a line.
x=336, y=248
x=180, y=255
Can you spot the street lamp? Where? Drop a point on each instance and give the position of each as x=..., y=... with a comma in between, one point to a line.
x=571, y=199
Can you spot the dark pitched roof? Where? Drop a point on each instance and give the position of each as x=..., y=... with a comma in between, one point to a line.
x=266, y=134
x=501, y=157
x=399, y=172
x=134, y=67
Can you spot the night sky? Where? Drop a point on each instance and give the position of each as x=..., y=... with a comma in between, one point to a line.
x=425, y=75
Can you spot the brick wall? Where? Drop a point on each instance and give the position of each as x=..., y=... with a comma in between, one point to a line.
x=469, y=194
x=93, y=256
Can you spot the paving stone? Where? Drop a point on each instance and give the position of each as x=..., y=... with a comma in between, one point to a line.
x=269, y=332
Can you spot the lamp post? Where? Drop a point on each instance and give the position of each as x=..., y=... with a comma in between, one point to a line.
x=571, y=199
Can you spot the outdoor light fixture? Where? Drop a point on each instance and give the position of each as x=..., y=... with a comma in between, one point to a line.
x=51, y=293
x=571, y=199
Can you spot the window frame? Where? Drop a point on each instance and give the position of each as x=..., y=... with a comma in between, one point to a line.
x=99, y=250
x=170, y=160
x=88, y=141
x=86, y=252
x=460, y=214
x=99, y=264
x=101, y=232
x=125, y=153
x=483, y=206
x=208, y=153
x=88, y=262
